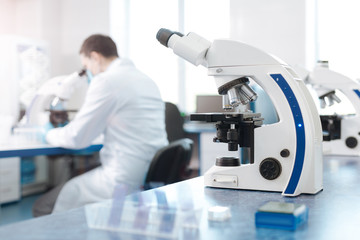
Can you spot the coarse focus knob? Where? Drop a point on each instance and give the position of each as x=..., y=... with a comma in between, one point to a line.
x=351, y=142
x=270, y=168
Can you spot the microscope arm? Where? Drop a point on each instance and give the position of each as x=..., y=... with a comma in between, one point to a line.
x=353, y=94
x=62, y=86
x=325, y=82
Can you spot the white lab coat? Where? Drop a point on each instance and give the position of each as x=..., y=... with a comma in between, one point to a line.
x=125, y=105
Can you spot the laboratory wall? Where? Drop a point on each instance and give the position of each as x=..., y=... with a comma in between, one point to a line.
x=64, y=24
x=284, y=28
x=280, y=27
x=7, y=14
x=39, y=39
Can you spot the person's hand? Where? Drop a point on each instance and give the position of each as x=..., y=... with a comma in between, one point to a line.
x=47, y=127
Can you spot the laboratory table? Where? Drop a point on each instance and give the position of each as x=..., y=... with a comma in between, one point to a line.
x=43, y=149
x=11, y=188
x=334, y=213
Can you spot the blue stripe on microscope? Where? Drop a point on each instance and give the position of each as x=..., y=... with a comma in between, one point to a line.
x=300, y=132
x=357, y=92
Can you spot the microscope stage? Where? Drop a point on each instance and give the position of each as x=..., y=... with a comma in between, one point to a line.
x=228, y=117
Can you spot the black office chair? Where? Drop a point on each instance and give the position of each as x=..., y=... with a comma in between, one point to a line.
x=174, y=122
x=170, y=164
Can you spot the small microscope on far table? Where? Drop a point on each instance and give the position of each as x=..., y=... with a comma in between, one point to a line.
x=341, y=131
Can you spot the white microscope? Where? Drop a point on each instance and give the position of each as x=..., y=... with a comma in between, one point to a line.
x=59, y=96
x=52, y=106
x=341, y=132
x=283, y=157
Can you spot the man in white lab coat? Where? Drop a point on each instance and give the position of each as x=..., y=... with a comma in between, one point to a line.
x=123, y=104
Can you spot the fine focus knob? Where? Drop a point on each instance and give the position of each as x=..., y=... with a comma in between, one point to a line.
x=270, y=168
x=351, y=142
x=227, y=162
x=285, y=153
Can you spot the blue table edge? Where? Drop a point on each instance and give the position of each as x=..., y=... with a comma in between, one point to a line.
x=48, y=151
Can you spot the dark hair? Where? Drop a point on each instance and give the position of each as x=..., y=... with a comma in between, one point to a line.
x=101, y=44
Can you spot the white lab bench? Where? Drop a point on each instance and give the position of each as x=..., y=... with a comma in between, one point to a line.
x=334, y=213
x=10, y=154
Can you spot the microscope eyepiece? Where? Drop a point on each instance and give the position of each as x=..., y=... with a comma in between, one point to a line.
x=82, y=72
x=163, y=36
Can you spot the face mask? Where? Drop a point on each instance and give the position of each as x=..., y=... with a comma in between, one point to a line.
x=89, y=75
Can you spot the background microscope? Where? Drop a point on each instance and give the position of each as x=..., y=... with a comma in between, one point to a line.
x=56, y=99
x=54, y=105
x=339, y=107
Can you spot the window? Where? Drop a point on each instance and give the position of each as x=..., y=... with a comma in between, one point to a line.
x=211, y=20
x=338, y=42
x=339, y=35
x=134, y=24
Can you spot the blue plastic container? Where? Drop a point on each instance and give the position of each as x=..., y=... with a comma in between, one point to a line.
x=281, y=215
